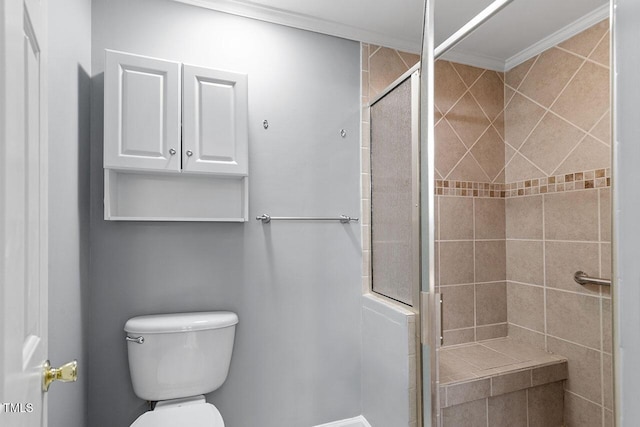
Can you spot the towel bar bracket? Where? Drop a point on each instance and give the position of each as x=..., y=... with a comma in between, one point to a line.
x=583, y=279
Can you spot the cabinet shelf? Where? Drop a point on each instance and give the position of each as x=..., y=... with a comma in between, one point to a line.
x=149, y=196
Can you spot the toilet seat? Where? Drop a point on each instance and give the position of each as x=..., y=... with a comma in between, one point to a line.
x=192, y=412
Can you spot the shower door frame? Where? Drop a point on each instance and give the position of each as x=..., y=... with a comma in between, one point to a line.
x=430, y=306
x=414, y=75
x=431, y=301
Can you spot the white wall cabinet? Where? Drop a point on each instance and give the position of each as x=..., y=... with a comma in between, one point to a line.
x=214, y=121
x=142, y=110
x=175, y=141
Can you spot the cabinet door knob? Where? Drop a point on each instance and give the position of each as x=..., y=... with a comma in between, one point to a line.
x=172, y=151
x=189, y=153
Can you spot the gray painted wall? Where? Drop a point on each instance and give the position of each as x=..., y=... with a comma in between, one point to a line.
x=626, y=210
x=69, y=102
x=296, y=286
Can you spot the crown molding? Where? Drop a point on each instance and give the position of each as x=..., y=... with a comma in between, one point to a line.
x=304, y=22
x=274, y=15
x=475, y=60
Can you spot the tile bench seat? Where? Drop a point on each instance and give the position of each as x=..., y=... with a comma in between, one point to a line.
x=479, y=380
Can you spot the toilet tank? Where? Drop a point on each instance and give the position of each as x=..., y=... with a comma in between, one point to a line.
x=179, y=355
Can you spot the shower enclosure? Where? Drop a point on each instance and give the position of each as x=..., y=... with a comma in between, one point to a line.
x=516, y=200
x=490, y=189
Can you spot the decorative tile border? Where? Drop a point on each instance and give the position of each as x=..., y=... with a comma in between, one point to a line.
x=469, y=189
x=598, y=178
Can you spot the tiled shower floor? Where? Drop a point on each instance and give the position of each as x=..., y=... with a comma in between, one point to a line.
x=491, y=358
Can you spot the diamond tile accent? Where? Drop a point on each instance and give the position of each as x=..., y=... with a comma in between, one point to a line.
x=584, y=42
x=468, y=120
x=516, y=75
x=509, y=152
x=498, y=124
x=549, y=75
x=586, y=97
x=449, y=87
x=601, y=52
x=488, y=151
x=550, y=142
x=588, y=155
x=520, y=168
x=410, y=59
x=548, y=100
x=576, y=90
x=473, y=99
x=468, y=73
x=468, y=170
x=385, y=66
x=488, y=90
x=508, y=94
x=449, y=149
x=602, y=130
x=522, y=115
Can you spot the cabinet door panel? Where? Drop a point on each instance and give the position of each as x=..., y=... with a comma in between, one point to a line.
x=214, y=121
x=141, y=113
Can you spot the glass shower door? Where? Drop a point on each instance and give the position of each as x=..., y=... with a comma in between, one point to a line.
x=431, y=304
x=394, y=191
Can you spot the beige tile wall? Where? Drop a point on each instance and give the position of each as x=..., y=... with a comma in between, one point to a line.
x=539, y=406
x=557, y=135
x=556, y=212
x=471, y=267
x=557, y=109
x=549, y=237
x=470, y=226
x=469, y=123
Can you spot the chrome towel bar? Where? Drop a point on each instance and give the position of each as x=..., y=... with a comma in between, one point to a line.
x=582, y=278
x=268, y=218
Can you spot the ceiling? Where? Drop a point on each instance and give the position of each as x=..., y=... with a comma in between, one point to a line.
x=521, y=30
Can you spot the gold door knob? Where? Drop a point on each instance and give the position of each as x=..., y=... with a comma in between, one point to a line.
x=65, y=373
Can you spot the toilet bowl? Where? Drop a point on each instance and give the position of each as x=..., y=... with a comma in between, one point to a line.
x=174, y=359
x=192, y=412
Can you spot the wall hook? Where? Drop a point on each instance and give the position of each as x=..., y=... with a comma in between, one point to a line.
x=343, y=133
x=265, y=124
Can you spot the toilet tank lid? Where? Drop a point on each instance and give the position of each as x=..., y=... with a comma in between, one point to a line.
x=180, y=322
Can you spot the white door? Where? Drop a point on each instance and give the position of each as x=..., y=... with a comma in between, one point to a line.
x=214, y=121
x=141, y=113
x=23, y=212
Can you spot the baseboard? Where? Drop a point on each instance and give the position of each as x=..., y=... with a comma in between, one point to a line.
x=358, y=421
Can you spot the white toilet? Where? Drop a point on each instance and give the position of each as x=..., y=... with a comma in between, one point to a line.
x=175, y=359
